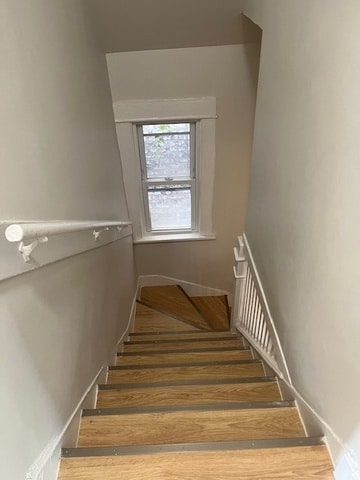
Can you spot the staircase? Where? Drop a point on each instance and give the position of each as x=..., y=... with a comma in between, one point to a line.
x=189, y=400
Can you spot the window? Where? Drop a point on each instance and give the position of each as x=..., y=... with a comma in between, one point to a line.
x=168, y=174
x=167, y=150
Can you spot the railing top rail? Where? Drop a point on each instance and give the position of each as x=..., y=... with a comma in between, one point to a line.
x=18, y=232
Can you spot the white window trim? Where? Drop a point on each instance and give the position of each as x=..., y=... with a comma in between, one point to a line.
x=128, y=114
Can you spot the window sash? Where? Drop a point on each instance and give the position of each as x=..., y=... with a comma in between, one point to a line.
x=141, y=135
x=163, y=181
x=191, y=182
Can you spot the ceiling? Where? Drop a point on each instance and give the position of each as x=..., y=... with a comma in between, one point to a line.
x=130, y=25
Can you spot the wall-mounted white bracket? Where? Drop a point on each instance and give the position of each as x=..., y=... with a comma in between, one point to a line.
x=26, y=250
x=119, y=229
x=97, y=233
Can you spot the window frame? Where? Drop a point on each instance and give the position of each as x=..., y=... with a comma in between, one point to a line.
x=201, y=111
x=191, y=180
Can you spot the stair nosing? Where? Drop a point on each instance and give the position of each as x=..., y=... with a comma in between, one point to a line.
x=193, y=350
x=181, y=364
x=184, y=383
x=192, y=447
x=99, y=412
x=181, y=332
x=176, y=340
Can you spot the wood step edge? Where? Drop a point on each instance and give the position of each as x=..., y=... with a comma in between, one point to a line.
x=177, y=340
x=186, y=383
x=170, y=315
x=187, y=350
x=192, y=447
x=228, y=309
x=183, y=332
x=195, y=306
x=97, y=412
x=157, y=366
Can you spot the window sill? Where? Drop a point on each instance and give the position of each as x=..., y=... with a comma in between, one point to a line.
x=179, y=237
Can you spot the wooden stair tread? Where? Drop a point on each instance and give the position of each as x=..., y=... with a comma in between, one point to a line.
x=188, y=395
x=189, y=426
x=181, y=345
x=185, y=404
x=149, y=320
x=185, y=373
x=159, y=336
x=214, y=310
x=190, y=357
x=297, y=463
x=172, y=300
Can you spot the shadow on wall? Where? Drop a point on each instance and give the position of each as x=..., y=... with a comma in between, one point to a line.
x=60, y=324
x=253, y=34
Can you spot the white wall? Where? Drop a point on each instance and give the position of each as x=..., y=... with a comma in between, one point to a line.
x=303, y=220
x=59, y=160
x=124, y=26
x=229, y=73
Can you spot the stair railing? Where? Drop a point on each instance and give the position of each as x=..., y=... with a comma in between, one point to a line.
x=38, y=232
x=250, y=313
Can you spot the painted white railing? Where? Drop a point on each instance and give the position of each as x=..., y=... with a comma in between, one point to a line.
x=250, y=313
x=39, y=232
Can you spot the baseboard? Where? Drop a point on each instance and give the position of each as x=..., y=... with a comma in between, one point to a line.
x=345, y=459
x=192, y=289
x=47, y=464
x=130, y=326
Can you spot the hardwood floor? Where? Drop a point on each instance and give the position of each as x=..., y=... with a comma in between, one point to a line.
x=189, y=356
x=172, y=300
x=189, y=395
x=300, y=463
x=215, y=310
x=191, y=372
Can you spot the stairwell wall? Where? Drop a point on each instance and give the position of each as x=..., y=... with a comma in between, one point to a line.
x=302, y=223
x=228, y=73
x=59, y=161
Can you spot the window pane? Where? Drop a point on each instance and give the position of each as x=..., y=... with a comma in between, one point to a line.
x=167, y=154
x=169, y=206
